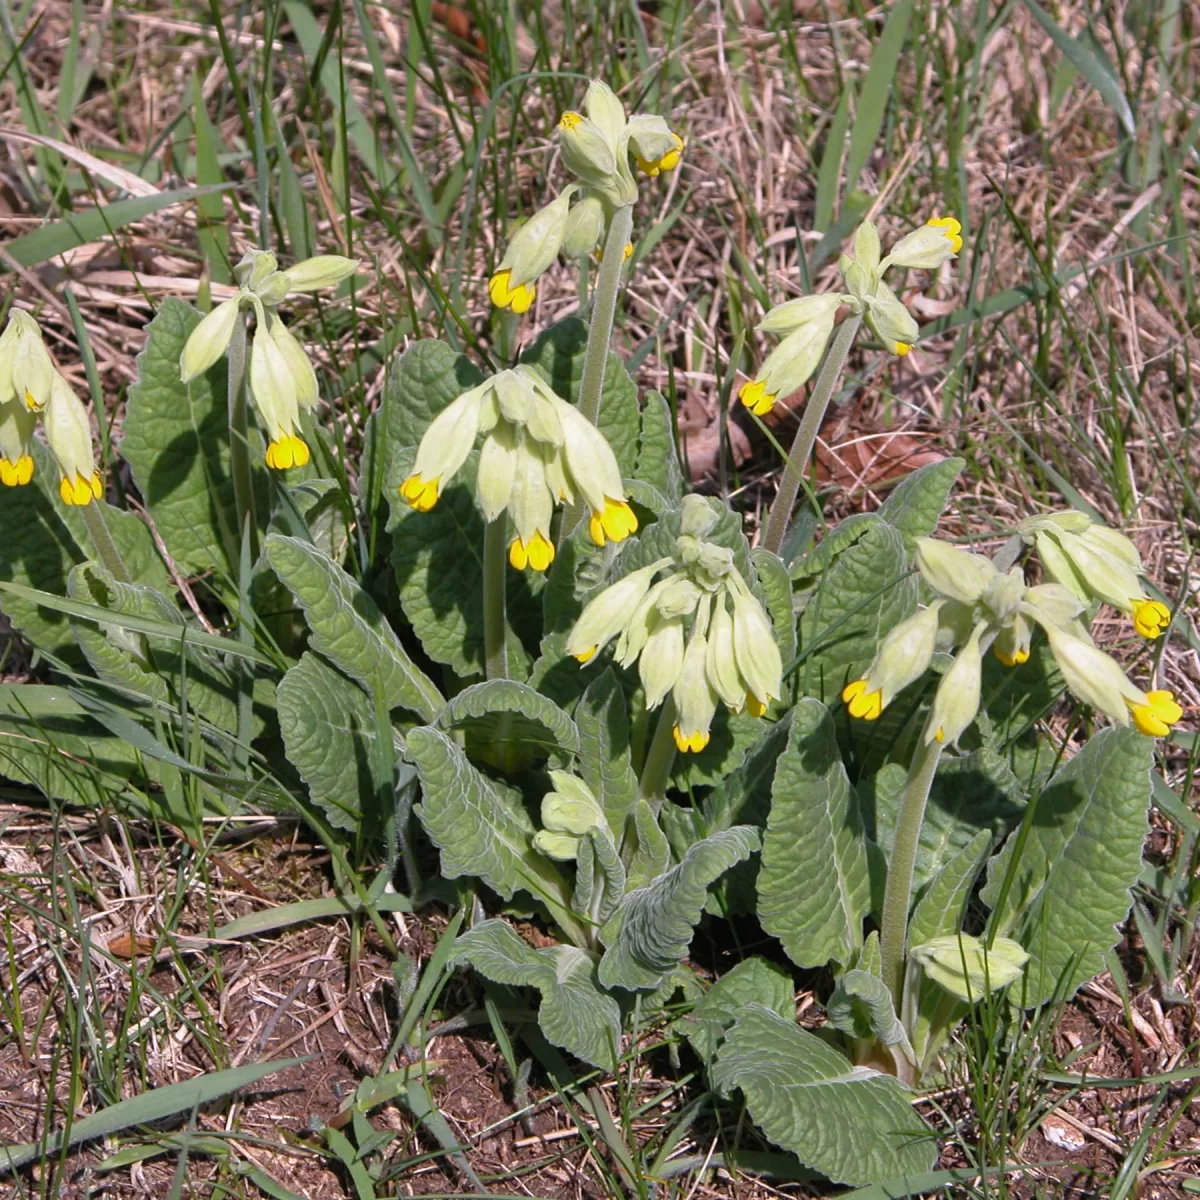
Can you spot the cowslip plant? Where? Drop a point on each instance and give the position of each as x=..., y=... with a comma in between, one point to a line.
x=602, y=707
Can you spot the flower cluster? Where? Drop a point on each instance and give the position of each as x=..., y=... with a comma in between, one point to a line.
x=1096, y=563
x=282, y=379
x=31, y=386
x=568, y=813
x=806, y=323
x=538, y=450
x=978, y=607
x=697, y=633
x=597, y=145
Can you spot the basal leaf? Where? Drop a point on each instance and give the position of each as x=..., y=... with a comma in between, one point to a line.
x=744, y=796
x=505, y=718
x=919, y=499
x=753, y=981
x=861, y=1007
x=602, y=718
x=814, y=886
x=177, y=443
x=422, y=381
x=940, y=910
x=651, y=854
x=850, y=1123
x=348, y=628
x=479, y=825
x=329, y=732
x=658, y=456
x=656, y=923
x=776, y=587
x=599, y=878
x=1071, y=887
x=575, y=1014
x=558, y=354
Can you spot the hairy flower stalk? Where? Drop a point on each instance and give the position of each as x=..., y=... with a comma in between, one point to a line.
x=807, y=323
x=698, y=634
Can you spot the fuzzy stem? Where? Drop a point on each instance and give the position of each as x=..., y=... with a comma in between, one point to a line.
x=239, y=445
x=660, y=758
x=102, y=542
x=604, y=308
x=897, y=894
x=495, y=563
x=806, y=435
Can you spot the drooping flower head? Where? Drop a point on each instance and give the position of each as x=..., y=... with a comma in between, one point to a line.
x=978, y=607
x=282, y=379
x=807, y=322
x=698, y=634
x=1096, y=563
x=538, y=451
x=599, y=147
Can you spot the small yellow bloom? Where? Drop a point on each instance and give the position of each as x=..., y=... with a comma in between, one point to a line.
x=900, y=349
x=16, y=474
x=421, y=494
x=517, y=298
x=953, y=230
x=31, y=403
x=570, y=121
x=756, y=398
x=668, y=162
x=287, y=451
x=754, y=706
x=864, y=705
x=1151, y=618
x=1156, y=717
x=81, y=490
x=585, y=656
x=626, y=254
x=1015, y=659
x=614, y=524
x=537, y=553
x=697, y=741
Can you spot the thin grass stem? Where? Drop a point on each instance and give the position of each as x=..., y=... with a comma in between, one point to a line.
x=239, y=445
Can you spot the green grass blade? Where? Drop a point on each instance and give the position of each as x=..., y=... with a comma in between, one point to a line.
x=270, y=919
x=1090, y=66
x=150, y=1106
x=876, y=91
x=94, y=223
x=211, y=232
x=829, y=173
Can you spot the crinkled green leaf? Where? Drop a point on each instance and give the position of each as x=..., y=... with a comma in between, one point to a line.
x=47, y=740
x=753, y=981
x=814, y=887
x=558, y=355
x=864, y=592
x=776, y=587
x=602, y=718
x=940, y=910
x=658, y=456
x=422, y=381
x=599, y=877
x=176, y=440
x=656, y=923
x=850, y=1123
x=919, y=499
x=744, y=796
x=480, y=825
x=970, y=793
x=1071, y=886
x=861, y=1007
x=348, y=628
x=503, y=712
x=329, y=732
x=651, y=853
x=320, y=503
x=575, y=1014
x=150, y=665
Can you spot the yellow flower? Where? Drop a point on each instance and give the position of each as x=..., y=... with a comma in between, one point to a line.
x=953, y=229
x=1157, y=715
x=287, y=451
x=667, y=162
x=864, y=705
x=421, y=494
x=614, y=523
x=1151, y=618
x=754, y=395
x=537, y=552
x=16, y=474
x=697, y=741
x=79, y=490
x=503, y=295
x=1015, y=659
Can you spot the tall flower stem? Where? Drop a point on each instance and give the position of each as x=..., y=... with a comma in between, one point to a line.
x=102, y=542
x=495, y=562
x=604, y=308
x=660, y=758
x=239, y=444
x=806, y=435
x=897, y=893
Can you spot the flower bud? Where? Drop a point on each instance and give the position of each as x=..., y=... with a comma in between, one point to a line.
x=444, y=448
x=586, y=152
x=585, y=227
x=890, y=321
x=254, y=268
x=721, y=660
x=1003, y=594
x=608, y=613
x=661, y=659
x=69, y=435
x=696, y=516
x=695, y=699
x=789, y=316
x=497, y=470
x=530, y=251
x=1093, y=676
x=531, y=505
x=789, y=365
x=605, y=110
x=903, y=657
x=1013, y=640
x=299, y=365
x=952, y=572
x=655, y=147
x=562, y=847
x=209, y=340
x=274, y=388
x=32, y=370
x=967, y=968
x=571, y=807
x=925, y=249
x=754, y=645
x=322, y=271
x=1051, y=603
x=866, y=247
x=956, y=702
